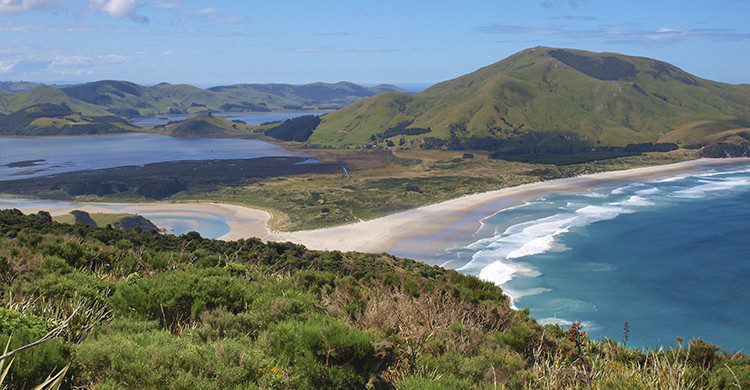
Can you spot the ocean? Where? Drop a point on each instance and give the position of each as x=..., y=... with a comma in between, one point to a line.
x=670, y=256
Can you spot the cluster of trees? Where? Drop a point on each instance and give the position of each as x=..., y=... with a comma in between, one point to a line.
x=726, y=149
x=738, y=147
x=645, y=147
x=99, y=188
x=160, y=189
x=145, y=310
x=152, y=189
x=402, y=129
x=296, y=129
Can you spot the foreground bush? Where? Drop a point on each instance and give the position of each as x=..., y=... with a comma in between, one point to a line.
x=156, y=311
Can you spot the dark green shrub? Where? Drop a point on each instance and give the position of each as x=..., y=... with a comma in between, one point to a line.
x=31, y=365
x=327, y=352
x=180, y=296
x=134, y=355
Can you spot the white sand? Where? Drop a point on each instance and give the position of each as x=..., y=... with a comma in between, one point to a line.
x=380, y=234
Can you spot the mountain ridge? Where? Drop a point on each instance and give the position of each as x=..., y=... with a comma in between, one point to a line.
x=604, y=98
x=128, y=99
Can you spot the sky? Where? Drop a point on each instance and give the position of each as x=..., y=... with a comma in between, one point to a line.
x=404, y=42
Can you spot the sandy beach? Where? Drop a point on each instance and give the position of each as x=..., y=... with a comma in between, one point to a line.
x=380, y=234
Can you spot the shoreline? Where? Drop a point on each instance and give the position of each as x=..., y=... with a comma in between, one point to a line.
x=381, y=234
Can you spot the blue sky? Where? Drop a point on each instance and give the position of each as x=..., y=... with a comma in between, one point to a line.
x=366, y=41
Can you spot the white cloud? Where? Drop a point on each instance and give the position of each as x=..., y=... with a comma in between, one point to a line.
x=19, y=27
x=205, y=11
x=327, y=49
x=119, y=9
x=79, y=65
x=7, y=66
x=167, y=5
x=16, y=6
x=24, y=62
x=617, y=35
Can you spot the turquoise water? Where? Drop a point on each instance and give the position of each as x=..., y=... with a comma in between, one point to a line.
x=670, y=256
x=52, y=155
x=208, y=224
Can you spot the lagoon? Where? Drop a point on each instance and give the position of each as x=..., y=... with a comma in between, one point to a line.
x=27, y=157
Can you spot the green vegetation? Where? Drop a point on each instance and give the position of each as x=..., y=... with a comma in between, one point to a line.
x=306, y=196
x=384, y=182
x=164, y=180
x=126, y=99
x=156, y=311
x=119, y=221
x=728, y=144
x=296, y=129
x=600, y=99
x=204, y=125
x=52, y=119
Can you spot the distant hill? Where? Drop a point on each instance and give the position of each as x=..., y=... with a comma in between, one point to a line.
x=203, y=125
x=549, y=98
x=59, y=119
x=17, y=86
x=128, y=99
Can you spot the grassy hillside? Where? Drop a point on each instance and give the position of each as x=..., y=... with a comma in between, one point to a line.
x=315, y=95
x=122, y=98
x=601, y=98
x=157, y=311
x=12, y=102
x=204, y=125
x=53, y=119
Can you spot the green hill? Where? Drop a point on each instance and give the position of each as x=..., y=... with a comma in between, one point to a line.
x=54, y=119
x=203, y=125
x=596, y=98
x=128, y=99
x=315, y=95
x=44, y=94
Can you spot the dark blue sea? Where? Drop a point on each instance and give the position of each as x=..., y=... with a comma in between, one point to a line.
x=670, y=256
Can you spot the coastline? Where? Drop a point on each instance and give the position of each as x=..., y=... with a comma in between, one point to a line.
x=381, y=234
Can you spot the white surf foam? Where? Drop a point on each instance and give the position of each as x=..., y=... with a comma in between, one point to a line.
x=588, y=326
x=648, y=191
x=494, y=259
x=708, y=186
x=635, y=201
